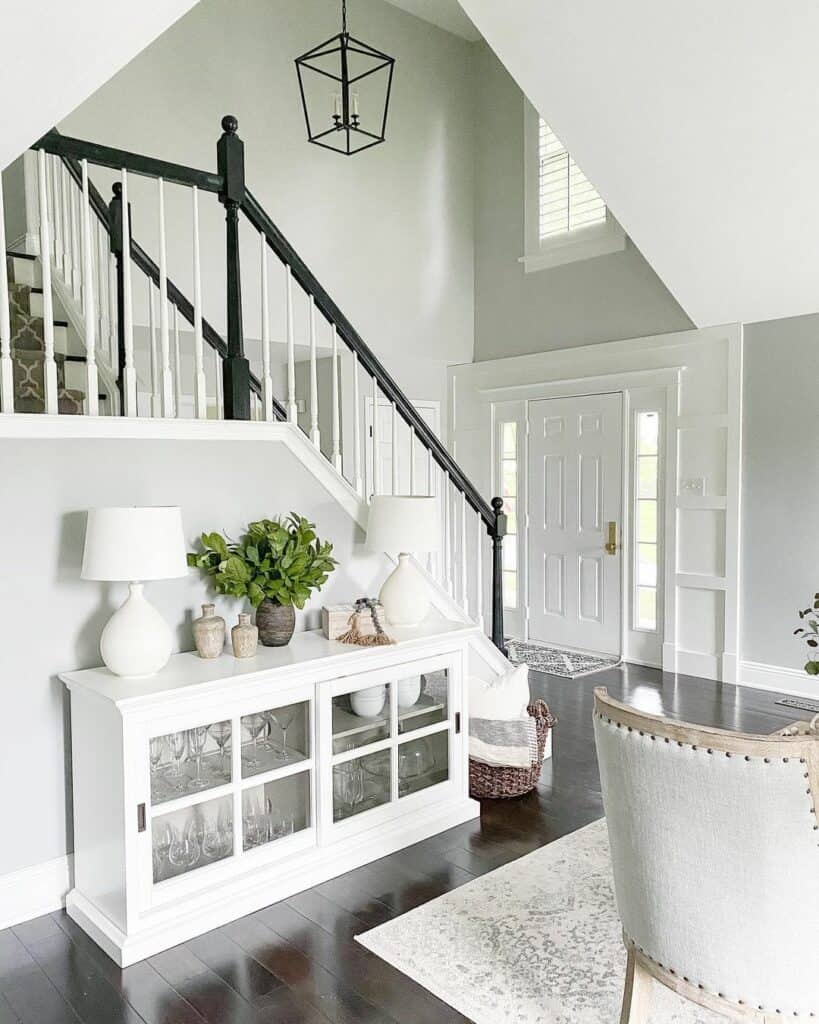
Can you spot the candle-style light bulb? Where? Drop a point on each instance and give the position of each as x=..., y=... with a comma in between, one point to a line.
x=337, y=105
x=355, y=104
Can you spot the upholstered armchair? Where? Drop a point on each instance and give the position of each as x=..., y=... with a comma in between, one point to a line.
x=715, y=848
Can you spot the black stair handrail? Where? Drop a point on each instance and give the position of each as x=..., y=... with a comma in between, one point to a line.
x=229, y=185
x=71, y=150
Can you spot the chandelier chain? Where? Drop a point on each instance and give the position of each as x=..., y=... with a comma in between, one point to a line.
x=344, y=17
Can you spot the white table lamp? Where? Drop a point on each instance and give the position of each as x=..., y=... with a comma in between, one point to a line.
x=131, y=545
x=402, y=525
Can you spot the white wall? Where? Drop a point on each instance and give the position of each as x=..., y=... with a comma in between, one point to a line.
x=602, y=299
x=51, y=620
x=780, y=543
x=389, y=232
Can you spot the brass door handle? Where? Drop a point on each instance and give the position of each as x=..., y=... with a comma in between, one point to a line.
x=611, y=543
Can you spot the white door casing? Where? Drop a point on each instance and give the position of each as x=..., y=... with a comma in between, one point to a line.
x=575, y=490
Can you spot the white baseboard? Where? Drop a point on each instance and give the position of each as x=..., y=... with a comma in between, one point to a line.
x=31, y=892
x=776, y=677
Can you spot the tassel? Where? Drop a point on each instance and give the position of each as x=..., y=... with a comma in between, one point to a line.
x=354, y=635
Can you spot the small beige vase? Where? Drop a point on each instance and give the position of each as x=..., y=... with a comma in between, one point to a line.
x=209, y=632
x=244, y=637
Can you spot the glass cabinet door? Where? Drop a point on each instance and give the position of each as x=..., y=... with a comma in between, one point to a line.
x=274, y=738
x=189, y=761
x=423, y=699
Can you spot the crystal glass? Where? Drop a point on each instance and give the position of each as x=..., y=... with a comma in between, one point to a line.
x=284, y=717
x=178, y=743
x=276, y=809
x=217, y=841
x=156, y=749
x=423, y=762
x=254, y=725
x=184, y=850
x=197, y=738
x=220, y=731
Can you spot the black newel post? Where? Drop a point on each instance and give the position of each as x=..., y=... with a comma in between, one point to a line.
x=115, y=222
x=497, y=536
x=230, y=159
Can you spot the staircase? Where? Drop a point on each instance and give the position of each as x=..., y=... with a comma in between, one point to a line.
x=28, y=355
x=180, y=367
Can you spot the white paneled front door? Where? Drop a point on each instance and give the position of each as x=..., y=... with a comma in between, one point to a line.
x=575, y=493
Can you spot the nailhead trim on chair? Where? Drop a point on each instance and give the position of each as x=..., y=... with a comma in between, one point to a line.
x=767, y=760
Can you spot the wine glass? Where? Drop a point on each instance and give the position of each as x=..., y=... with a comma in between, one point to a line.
x=220, y=731
x=217, y=841
x=254, y=725
x=185, y=850
x=284, y=718
x=161, y=845
x=177, y=742
x=197, y=737
x=267, y=742
x=156, y=747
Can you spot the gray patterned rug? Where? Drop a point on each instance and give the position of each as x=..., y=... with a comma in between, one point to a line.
x=536, y=942
x=558, y=661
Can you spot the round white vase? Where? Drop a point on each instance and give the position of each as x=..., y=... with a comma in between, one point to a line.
x=136, y=640
x=405, y=594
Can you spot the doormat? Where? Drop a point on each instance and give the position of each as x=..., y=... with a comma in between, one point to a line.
x=800, y=703
x=558, y=661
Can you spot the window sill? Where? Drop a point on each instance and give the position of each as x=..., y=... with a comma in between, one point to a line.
x=600, y=240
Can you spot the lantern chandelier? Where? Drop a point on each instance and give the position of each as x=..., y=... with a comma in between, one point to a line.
x=345, y=91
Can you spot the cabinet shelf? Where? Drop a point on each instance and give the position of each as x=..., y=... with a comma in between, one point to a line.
x=200, y=796
x=347, y=724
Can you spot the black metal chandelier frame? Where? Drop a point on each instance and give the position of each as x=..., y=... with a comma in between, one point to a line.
x=347, y=120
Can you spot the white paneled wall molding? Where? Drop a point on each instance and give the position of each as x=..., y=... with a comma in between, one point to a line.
x=693, y=379
x=159, y=360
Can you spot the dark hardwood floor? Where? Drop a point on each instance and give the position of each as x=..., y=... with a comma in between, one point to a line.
x=297, y=962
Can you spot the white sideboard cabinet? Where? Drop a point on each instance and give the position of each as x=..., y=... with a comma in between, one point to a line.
x=217, y=787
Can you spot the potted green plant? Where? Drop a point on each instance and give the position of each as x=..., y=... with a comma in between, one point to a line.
x=809, y=633
x=276, y=565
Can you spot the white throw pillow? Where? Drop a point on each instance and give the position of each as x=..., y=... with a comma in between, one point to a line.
x=503, y=698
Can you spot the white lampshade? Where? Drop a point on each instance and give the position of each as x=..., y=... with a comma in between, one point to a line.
x=134, y=544
x=400, y=523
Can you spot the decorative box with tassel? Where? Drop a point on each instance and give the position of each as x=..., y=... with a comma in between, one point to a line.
x=360, y=623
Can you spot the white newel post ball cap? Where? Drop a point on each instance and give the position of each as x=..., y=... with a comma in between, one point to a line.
x=400, y=523
x=134, y=544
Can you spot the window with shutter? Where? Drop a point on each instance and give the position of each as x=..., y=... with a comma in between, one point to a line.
x=567, y=200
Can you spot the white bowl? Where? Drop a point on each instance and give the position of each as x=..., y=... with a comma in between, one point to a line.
x=368, y=703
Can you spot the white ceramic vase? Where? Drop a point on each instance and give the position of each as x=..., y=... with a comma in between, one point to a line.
x=136, y=640
x=405, y=594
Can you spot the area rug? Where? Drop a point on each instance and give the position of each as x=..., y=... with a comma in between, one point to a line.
x=537, y=941
x=557, y=661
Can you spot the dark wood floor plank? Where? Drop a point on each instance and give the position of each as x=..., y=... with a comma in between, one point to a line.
x=7, y=1015
x=233, y=965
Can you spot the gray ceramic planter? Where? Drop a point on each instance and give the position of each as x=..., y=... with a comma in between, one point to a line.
x=276, y=623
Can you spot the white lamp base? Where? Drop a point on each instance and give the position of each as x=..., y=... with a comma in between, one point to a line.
x=136, y=640
x=405, y=594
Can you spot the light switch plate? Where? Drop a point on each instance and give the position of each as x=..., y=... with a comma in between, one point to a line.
x=693, y=485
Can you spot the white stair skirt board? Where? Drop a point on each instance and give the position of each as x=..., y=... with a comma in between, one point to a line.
x=558, y=661
x=30, y=892
x=536, y=942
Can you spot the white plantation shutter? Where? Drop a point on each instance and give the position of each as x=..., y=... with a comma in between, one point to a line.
x=567, y=200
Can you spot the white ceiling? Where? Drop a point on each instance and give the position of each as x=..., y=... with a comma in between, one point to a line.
x=65, y=51
x=699, y=124
x=446, y=14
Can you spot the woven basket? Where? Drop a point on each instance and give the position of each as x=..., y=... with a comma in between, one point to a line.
x=487, y=781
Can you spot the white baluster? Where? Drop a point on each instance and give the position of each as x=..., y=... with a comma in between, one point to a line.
x=6, y=366
x=267, y=379
x=112, y=312
x=156, y=403
x=358, y=482
x=129, y=370
x=200, y=386
x=315, y=436
x=76, y=258
x=396, y=485
x=91, y=376
x=447, y=534
x=53, y=164
x=336, y=432
x=292, y=408
x=220, y=386
x=101, y=279
x=65, y=210
x=464, y=571
x=479, y=574
x=166, y=374
x=413, y=481
x=376, y=481
x=177, y=365
x=49, y=366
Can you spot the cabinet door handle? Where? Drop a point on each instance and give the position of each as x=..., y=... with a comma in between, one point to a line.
x=457, y=721
x=141, y=823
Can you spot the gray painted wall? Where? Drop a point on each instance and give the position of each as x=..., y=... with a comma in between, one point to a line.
x=51, y=620
x=780, y=488
x=388, y=232
x=603, y=299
